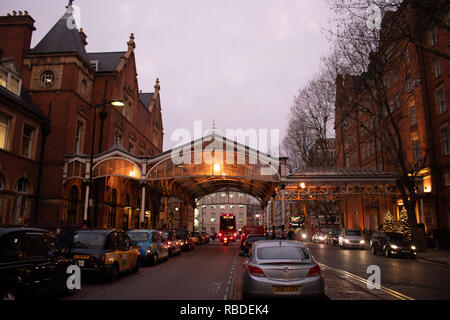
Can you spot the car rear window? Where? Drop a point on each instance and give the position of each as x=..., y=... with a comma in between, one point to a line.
x=89, y=240
x=282, y=253
x=253, y=239
x=138, y=236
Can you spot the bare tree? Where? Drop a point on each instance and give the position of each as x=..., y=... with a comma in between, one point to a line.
x=372, y=58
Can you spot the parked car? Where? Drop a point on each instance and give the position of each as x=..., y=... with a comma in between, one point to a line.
x=392, y=244
x=170, y=240
x=105, y=252
x=206, y=237
x=333, y=237
x=187, y=242
x=351, y=238
x=281, y=269
x=319, y=237
x=250, y=240
x=151, y=247
x=198, y=238
x=31, y=264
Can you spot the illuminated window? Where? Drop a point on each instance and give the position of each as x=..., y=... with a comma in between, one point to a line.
x=20, y=206
x=4, y=130
x=47, y=78
x=432, y=36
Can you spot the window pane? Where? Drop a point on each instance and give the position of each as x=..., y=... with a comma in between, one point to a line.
x=3, y=78
x=14, y=85
x=4, y=128
x=27, y=141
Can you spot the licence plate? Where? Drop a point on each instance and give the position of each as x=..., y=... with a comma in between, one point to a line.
x=286, y=289
x=80, y=263
x=81, y=257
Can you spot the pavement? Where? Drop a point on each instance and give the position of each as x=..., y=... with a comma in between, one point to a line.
x=435, y=255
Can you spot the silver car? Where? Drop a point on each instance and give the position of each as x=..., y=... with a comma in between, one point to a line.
x=351, y=238
x=281, y=268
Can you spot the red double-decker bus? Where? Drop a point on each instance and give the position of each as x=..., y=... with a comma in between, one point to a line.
x=228, y=227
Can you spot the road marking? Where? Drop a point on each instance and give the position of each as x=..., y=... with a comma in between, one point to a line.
x=230, y=285
x=388, y=291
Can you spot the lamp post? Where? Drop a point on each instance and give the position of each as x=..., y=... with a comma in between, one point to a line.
x=115, y=103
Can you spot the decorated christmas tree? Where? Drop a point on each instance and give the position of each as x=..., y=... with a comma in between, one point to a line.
x=389, y=223
x=403, y=224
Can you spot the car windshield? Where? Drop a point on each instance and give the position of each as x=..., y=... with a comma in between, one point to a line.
x=89, y=240
x=352, y=232
x=395, y=235
x=137, y=236
x=282, y=253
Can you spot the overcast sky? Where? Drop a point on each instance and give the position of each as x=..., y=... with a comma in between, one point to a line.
x=238, y=61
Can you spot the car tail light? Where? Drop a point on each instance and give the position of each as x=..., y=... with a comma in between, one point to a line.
x=235, y=234
x=220, y=234
x=255, y=271
x=168, y=243
x=314, y=271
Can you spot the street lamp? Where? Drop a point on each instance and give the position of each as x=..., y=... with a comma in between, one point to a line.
x=115, y=103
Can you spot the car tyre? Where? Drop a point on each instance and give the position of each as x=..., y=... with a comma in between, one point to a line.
x=387, y=254
x=113, y=273
x=138, y=265
x=154, y=261
x=374, y=251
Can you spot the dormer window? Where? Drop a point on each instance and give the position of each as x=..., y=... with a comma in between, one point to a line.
x=47, y=78
x=94, y=64
x=10, y=81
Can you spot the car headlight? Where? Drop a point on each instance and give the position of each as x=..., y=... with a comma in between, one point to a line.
x=304, y=236
x=362, y=242
x=347, y=241
x=393, y=246
x=413, y=248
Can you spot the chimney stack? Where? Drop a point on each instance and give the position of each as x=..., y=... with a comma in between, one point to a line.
x=16, y=31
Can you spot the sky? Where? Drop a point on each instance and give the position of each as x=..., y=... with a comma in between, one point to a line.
x=238, y=62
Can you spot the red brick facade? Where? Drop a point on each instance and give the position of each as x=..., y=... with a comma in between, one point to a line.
x=421, y=106
x=76, y=88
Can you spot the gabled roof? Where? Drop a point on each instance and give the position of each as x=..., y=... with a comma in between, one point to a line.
x=146, y=98
x=64, y=37
x=107, y=61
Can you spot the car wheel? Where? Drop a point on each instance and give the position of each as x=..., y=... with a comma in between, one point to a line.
x=113, y=273
x=374, y=251
x=155, y=259
x=387, y=254
x=137, y=266
x=9, y=295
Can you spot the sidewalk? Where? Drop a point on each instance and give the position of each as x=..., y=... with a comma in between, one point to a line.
x=435, y=255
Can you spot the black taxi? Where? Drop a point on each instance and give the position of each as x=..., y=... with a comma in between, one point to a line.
x=104, y=252
x=31, y=264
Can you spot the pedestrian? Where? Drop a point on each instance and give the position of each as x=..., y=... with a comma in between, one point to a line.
x=290, y=234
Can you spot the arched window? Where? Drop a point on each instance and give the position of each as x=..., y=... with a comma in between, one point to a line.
x=112, y=209
x=72, y=208
x=20, y=207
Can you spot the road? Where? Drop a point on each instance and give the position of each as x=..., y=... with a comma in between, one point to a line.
x=416, y=279
x=205, y=273
x=212, y=271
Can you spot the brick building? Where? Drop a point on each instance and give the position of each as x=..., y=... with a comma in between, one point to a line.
x=417, y=88
x=56, y=90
